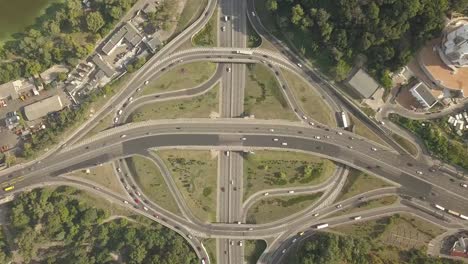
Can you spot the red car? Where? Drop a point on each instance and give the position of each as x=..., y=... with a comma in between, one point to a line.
x=137, y=201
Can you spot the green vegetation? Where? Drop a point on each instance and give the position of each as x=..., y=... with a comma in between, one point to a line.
x=273, y=169
x=136, y=64
x=63, y=35
x=361, y=129
x=438, y=138
x=253, y=39
x=334, y=33
x=195, y=173
x=253, y=249
x=263, y=97
x=274, y=208
x=332, y=248
x=202, y=106
x=406, y=144
x=149, y=179
x=183, y=76
x=210, y=245
x=359, y=182
x=54, y=227
x=102, y=125
x=5, y=253
x=368, y=204
x=208, y=35
x=103, y=175
x=162, y=18
x=192, y=10
x=311, y=101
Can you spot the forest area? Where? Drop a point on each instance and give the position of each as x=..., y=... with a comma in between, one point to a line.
x=53, y=226
x=386, y=32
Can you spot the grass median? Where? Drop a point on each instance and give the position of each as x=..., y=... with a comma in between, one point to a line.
x=103, y=175
x=309, y=99
x=152, y=183
x=183, y=76
x=253, y=250
x=361, y=129
x=274, y=208
x=359, y=182
x=192, y=10
x=280, y=169
x=406, y=144
x=195, y=173
x=263, y=96
x=202, y=106
x=367, y=205
x=207, y=37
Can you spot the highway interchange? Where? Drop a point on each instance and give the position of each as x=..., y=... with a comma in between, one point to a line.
x=413, y=177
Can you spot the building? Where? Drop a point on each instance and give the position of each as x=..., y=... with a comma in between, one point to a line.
x=128, y=33
x=8, y=91
x=42, y=108
x=363, y=84
x=12, y=120
x=459, y=248
x=424, y=96
x=154, y=43
x=102, y=65
x=455, y=47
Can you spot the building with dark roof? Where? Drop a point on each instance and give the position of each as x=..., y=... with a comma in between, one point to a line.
x=363, y=84
x=42, y=108
x=103, y=66
x=421, y=92
x=128, y=33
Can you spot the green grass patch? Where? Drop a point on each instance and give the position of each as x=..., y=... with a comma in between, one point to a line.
x=202, y=106
x=103, y=175
x=311, y=101
x=195, y=173
x=406, y=144
x=96, y=201
x=367, y=205
x=362, y=130
x=263, y=96
x=152, y=183
x=274, y=208
x=400, y=231
x=253, y=39
x=192, y=10
x=210, y=246
x=183, y=76
x=253, y=250
x=359, y=182
x=207, y=37
x=102, y=125
x=273, y=169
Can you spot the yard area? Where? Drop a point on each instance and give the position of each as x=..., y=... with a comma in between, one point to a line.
x=369, y=204
x=183, y=76
x=360, y=182
x=280, y=169
x=263, y=96
x=207, y=37
x=195, y=173
x=152, y=183
x=311, y=101
x=203, y=106
x=274, y=208
x=104, y=175
x=252, y=251
x=398, y=232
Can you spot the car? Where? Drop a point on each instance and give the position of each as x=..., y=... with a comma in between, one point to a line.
x=155, y=215
x=123, y=136
x=316, y=214
x=231, y=242
x=266, y=194
x=311, y=123
x=294, y=240
x=250, y=228
x=283, y=251
x=222, y=189
x=145, y=208
x=228, y=153
x=272, y=130
x=304, y=117
x=116, y=120
x=228, y=69
x=301, y=233
x=232, y=181
x=240, y=243
x=125, y=202
x=138, y=89
x=138, y=193
x=253, y=13
x=275, y=139
x=464, y=185
x=226, y=18
x=338, y=206
x=327, y=136
x=339, y=133
x=189, y=236
x=127, y=187
x=419, y=172
x=299, y=65
x=317, y=137
x=119, y=169
x=203, y=261
x=291, y=191
x=350, y=147
x=119, y=112
x=223, y=28
x=284, y=143
x=373, y=149
x=137, y=201
x=357, y=217
x=130, y=99
x=238, y=222
x=146, y=82
x=243, y=139
x=382, y=123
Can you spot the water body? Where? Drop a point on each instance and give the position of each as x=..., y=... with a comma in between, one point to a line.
x=16, y=15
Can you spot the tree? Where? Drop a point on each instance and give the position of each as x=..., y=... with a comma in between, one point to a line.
x=33, y=67
x=272, y=5
x=297, y=13
x=94, y=21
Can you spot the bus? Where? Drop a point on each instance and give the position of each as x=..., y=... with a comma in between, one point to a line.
x=245, y=52
x=321, y=226
x=344, y=119
x=463, y=217
x=9, y=188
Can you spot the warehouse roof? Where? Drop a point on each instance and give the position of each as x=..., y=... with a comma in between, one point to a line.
x=363, y=83
x=42, y=108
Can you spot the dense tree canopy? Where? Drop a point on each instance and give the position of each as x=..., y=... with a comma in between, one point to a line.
x=387, y=32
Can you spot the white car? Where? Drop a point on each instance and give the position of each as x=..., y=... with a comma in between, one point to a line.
x=357, y=217
x=119, y=112
x=240, y=243
x=294, y=240
x=290, y=191
x=138, y=89
x=283, y=251
x=304, y=117
x=300, y=65
x=272, y=130
x=317, y=137
x=145, y=208
x=316, y=214
x=123, y=136
x=464, y=185
x=223, y=28
x=119, y=169
x=228, y=153
x=189, y=236
x=116, y=120
x=138, y=193
x=419, y=172
x=339, y=206
x=250, y=228
x=226, y=18
x=125, y=202
x=231, y=243
x=311, y=123
x=266, y=194
x=130, y=99
x=253, y=13
x=340, y=133
x=374, y=149
x=228, y=69
x=284, y=143
x=350, y=147
x=146, y=82
x=275, y=139
x=243, y=139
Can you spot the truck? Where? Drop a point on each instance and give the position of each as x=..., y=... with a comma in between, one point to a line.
x=321, y=226
x=245, y=52
x=453, y=213
x=439, y=207
x=463, y=217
